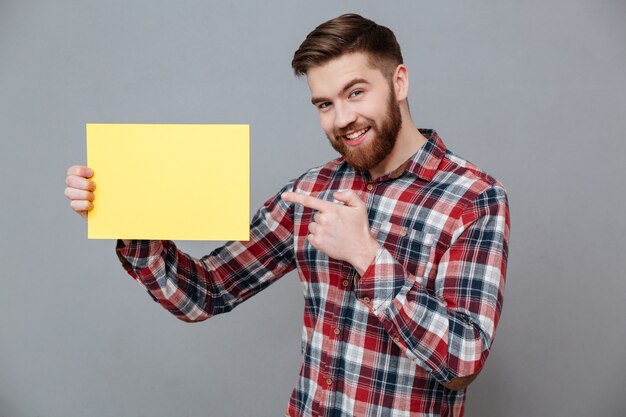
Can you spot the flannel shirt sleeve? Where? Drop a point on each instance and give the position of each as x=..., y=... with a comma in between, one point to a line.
x=195, y=289
x=447, y=332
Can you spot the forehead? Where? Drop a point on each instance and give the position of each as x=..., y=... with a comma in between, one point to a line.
x=330, y=77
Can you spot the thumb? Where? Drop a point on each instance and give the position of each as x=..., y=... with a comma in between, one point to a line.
x=349, y=198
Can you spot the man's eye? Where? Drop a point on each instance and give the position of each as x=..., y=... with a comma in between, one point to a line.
x=355, y=93
x=324, y=105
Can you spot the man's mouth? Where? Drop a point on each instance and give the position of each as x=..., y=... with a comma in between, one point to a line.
x=355, y=136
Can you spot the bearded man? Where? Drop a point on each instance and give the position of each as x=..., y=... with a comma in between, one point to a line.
x=400, y=245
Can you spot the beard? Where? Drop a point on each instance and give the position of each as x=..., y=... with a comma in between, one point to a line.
x=368, y=155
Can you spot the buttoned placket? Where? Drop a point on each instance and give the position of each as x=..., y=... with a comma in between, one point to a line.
x=327, y=378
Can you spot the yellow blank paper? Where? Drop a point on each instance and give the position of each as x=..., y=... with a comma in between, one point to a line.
x=184, y=182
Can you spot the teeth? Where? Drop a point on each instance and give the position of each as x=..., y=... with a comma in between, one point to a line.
x=355, y=135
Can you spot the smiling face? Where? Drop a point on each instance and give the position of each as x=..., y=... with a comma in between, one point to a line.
x=358, y=109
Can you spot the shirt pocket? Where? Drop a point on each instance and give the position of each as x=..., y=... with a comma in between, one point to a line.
x=412, y=248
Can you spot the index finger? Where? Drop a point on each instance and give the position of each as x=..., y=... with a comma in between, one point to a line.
x=80, y=171
x=308, y=201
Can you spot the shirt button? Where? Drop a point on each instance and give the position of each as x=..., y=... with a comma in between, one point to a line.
x=329, y=381
x=345, y=282
x=403, y=232
x=336, y=331
x=396, y=339
x=370, y=187
x=366, y=300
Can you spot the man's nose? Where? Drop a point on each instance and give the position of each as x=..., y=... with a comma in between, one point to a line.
x=344, y=116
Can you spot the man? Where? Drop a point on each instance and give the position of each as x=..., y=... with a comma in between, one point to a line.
x=400, y=245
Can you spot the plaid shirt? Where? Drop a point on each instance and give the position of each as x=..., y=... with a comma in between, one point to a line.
x=424, y=312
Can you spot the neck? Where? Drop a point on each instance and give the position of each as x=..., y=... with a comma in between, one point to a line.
x=409, y=141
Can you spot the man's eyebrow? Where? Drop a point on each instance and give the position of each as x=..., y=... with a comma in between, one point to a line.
x=349, y=85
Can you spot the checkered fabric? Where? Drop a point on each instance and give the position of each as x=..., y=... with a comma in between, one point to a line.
x=423, y=313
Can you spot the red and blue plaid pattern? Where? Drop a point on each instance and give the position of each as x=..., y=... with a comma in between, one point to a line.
x=423, y=313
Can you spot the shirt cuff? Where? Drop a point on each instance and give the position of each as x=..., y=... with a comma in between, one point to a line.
x=382, y=281
x=139, y=254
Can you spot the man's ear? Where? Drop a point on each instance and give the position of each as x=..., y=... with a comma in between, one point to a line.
x=401, y=82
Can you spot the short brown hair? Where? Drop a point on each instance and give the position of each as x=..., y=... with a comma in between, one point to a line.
x=345, y=34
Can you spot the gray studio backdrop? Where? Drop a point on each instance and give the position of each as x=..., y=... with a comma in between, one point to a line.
x=534, y=92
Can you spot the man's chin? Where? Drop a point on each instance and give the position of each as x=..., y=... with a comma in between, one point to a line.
x=362, y=158
x=359, y=162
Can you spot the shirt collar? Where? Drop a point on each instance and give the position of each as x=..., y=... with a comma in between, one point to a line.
x=426, y=160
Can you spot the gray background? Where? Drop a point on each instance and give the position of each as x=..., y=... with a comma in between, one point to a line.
x=534, y=92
